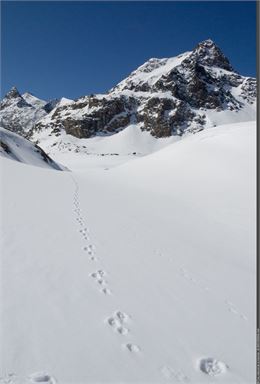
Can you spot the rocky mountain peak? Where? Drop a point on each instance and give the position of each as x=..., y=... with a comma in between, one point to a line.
x=12, y=97
x=208, y=53
x=13, y=93
x=18, y=113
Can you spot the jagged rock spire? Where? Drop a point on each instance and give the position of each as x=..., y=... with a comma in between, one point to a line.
x=208, y=53
x=13, y=96
x=13, y=93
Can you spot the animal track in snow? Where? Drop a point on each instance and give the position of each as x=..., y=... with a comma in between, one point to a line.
x=90, y=249
x=106, y=291
x=173, y=374
x=117, y=322
x=85, y=234
x=186, y=275
x=98, y=276
x=42, y=377
x=35, y=378
x=132, y=348
x=234, y=310
x=211, y=366
x=84, y=230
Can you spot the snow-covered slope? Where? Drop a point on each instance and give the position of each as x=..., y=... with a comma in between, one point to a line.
x=33, y=100
x=15, y=147
x=150, y=72
x=143, y=273
x=101, y=151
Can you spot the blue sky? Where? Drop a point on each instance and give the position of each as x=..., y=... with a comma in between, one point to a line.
x=55, y=49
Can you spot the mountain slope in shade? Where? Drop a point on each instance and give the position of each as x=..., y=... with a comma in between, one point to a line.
x=15, y=147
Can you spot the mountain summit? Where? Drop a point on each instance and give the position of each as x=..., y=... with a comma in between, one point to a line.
x=208, y=53
x=13, y=93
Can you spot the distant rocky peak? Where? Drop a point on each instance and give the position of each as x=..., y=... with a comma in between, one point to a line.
x=13, y=93
x=13, y=97
x=208, y=53
x=18, y=113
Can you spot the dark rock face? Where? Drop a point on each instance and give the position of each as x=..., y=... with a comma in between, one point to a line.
x=5, y=147
x=106, y=115
x=249, y=92
x=165, y=96
x=164, y=117
x=50, y=105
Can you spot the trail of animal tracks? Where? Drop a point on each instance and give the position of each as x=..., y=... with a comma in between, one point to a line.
x=142, y=273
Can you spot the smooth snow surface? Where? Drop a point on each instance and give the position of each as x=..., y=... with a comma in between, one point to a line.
x=141, y=273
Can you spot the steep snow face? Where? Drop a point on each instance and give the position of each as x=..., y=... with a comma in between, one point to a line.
x=150, y=72
x=15, y=147
x=144, y=273
x=33, y=100
x=64, y=101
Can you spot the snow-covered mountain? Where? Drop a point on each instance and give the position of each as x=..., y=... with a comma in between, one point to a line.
x=165, y=97
x=15, y=147
x=19, y=113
